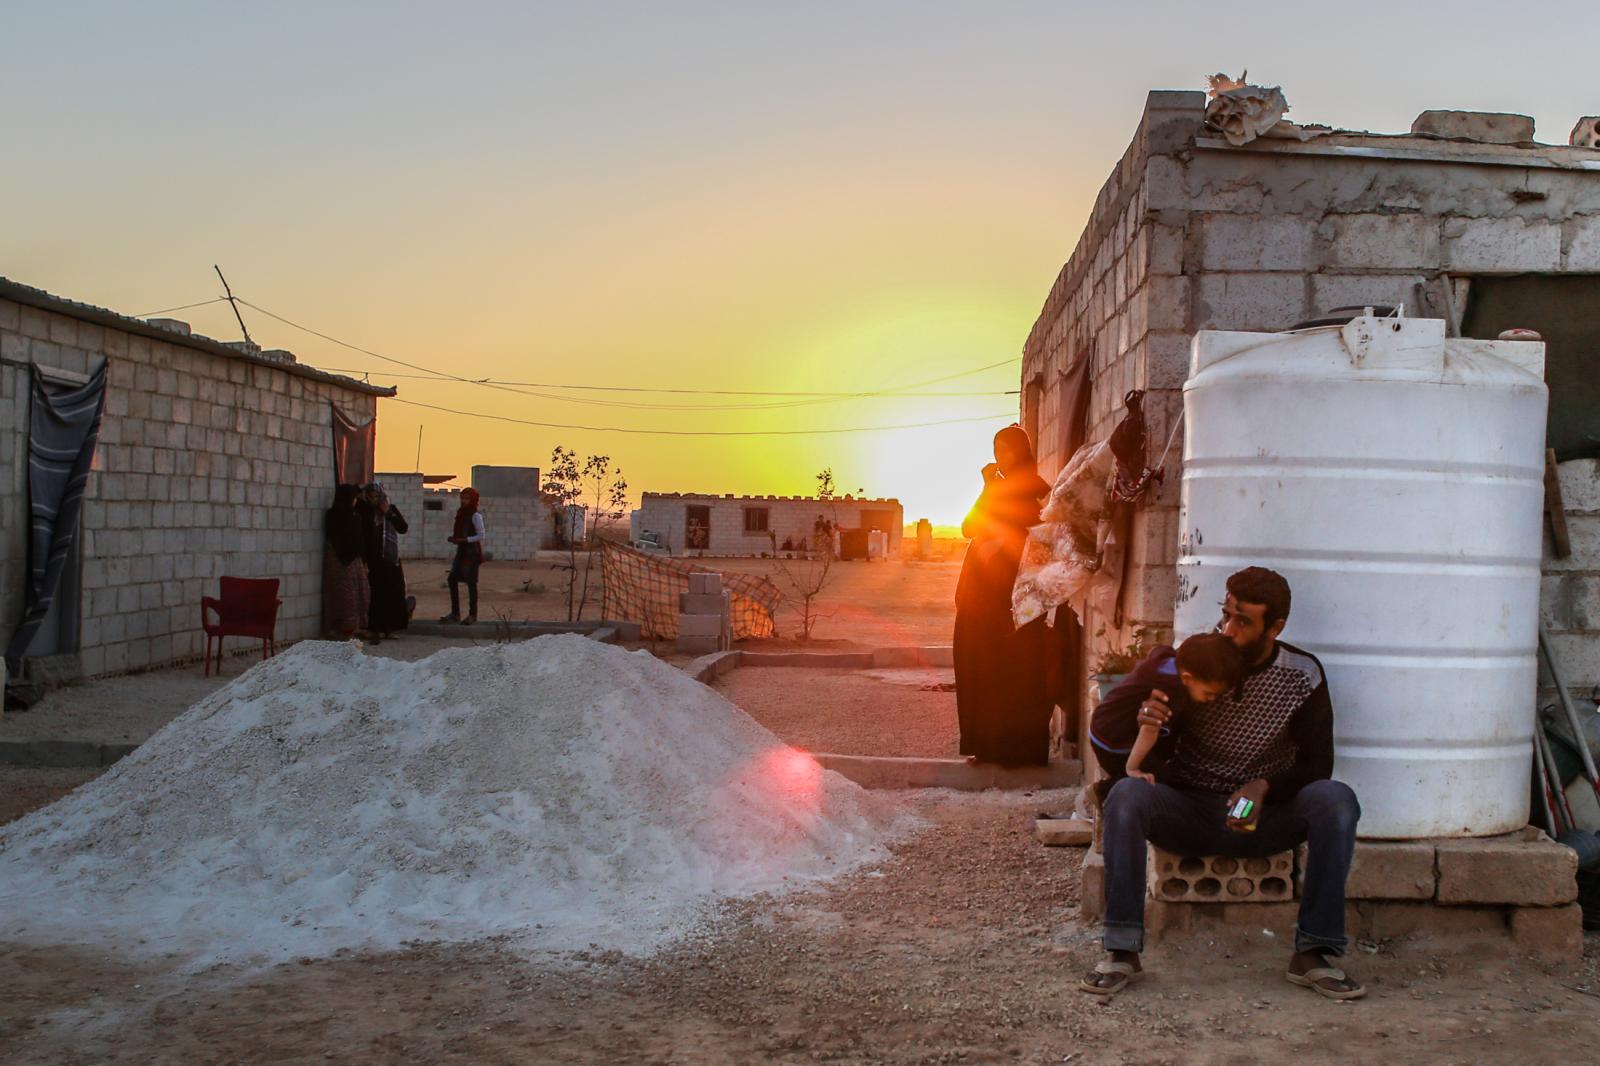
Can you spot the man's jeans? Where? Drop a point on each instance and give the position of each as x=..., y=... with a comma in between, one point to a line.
x=1186, y=822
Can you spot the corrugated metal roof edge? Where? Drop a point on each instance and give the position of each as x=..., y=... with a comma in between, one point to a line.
x=47, y=301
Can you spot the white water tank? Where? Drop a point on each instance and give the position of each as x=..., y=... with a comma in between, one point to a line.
x=1396, y=479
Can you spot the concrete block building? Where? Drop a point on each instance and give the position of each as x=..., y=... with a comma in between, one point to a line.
x=213, y=459
x=731, y=526
x=1484, y=228
x=519, y=518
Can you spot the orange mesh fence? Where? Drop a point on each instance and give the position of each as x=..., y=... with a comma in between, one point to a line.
x=643, y=587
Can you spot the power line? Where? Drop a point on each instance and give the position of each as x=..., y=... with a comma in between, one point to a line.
x=625, y=388
x=514, y=386
x=185, y=307
x=700, y=432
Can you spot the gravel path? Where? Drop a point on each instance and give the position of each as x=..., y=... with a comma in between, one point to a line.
x=849, y=712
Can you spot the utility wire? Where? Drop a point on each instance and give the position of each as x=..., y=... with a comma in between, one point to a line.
x=622, y=388
x=185, y=307
x=700, y=432
x=514, y=386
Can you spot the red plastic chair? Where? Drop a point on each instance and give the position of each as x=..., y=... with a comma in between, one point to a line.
x=248, y=608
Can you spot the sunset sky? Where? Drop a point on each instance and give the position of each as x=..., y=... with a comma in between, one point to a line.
x=820, y=197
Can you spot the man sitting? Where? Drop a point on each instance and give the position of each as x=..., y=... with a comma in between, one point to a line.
x=1269, y=741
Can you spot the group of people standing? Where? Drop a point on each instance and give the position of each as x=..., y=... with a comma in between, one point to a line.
x=363, y=581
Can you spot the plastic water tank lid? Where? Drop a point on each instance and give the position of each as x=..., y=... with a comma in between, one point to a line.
x=1520, y=335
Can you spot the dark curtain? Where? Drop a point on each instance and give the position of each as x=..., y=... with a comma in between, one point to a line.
x=352, y=449
x=63, y=425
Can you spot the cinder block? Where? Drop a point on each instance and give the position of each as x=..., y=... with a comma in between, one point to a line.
x=1063, y=832
x=1390, y=242
x=1583, y=244
x=700, y=603
x=1488, y=127
x=1383, y=869
x=700, y=625
x=1508, y=869
x=1220, y=878
x=1501, y=245
x=1551, y=934
x=1580, y=485
x=1362, y=290
x=696, y=645
x=1092, y=889
x=1257, y=242
x=1384, y=919
x=705, y=584
x=1265, y=302
x=1278, y=918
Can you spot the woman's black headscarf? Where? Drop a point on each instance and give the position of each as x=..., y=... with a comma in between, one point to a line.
x=342, y=526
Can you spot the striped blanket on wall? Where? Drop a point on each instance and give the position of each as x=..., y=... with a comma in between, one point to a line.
x=63, y=423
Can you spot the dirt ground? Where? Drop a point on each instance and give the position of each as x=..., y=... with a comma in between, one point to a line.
x=964, y=946
x=849, y=712
x=869, y=605
x=961, y=948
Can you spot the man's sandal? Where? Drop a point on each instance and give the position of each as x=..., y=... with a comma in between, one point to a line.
x=1313, y=979
x=1125, y=971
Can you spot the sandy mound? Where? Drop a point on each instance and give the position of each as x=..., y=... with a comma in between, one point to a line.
x=558, y=789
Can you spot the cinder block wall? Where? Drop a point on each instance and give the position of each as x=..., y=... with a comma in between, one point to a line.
x=516, y=527
x=788, y=517
x=1570, y=594
x=207, y=466
x=405, y=493
x=1187, y=236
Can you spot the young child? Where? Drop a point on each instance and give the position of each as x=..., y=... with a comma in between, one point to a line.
x=1202, y=668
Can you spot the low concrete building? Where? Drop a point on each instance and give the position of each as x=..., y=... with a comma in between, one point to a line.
x=213, y=459
x=730, y=526
x=519, y=519
x=1477, y=225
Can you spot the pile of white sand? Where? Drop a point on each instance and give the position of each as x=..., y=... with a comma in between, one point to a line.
x=561, y=790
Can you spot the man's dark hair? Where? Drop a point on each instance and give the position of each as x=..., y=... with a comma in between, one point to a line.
x=1211, y=657
x=1257, y=584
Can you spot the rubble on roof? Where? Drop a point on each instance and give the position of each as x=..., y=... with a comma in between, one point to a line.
x=1586, y=134
x=1243, y=112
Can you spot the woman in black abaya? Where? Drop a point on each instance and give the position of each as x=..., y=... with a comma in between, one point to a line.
x=1002, y=699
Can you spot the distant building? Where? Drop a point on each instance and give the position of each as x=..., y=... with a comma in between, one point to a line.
x=519, y=518
x=700, y=524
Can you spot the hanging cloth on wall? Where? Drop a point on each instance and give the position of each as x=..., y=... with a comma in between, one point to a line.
x=352, y=448
x=63, y=425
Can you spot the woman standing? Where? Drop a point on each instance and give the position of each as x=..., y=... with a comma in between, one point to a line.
x=1002, y=698
x=467, y=536
x=388, y=613
x=345, y=594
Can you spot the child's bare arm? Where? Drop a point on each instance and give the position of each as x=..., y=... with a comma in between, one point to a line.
x=1148, y=734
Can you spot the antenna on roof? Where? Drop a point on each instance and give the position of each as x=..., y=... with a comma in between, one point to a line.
x=233, y=303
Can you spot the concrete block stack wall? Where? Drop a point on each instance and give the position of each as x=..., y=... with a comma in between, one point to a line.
x=788, y=517
x=1569, y=598
x=1189, y=234
x=207, y=466
x=405, y=493
x=516, y=527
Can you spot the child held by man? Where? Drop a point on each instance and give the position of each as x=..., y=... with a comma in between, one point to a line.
x=1201, y=669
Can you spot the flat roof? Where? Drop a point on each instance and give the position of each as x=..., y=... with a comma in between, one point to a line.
x=100, y=316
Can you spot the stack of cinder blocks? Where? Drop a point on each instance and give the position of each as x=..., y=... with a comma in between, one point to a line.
x=1521, y=886
x=705, y=616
